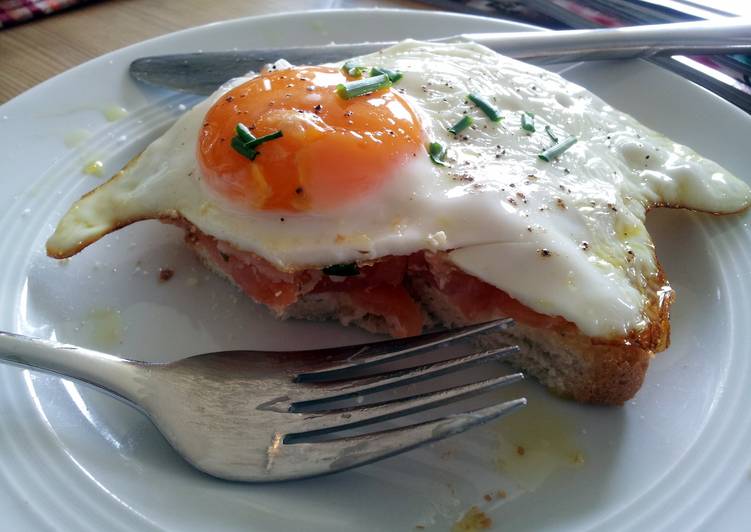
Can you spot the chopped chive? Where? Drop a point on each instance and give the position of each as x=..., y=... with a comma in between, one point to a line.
x=260, y=140
x=528, y=122
x=245, y=143
x=550, y=133
x=557, y=149
x=342, y=270
x=244, y=133
x=363, y=86
x=242, y=149
x=394, y=75
x=437, y=153
x=486, y=107
x=352, y=69
x=461, y=125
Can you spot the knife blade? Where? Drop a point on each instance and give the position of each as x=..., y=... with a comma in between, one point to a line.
x=202, y=73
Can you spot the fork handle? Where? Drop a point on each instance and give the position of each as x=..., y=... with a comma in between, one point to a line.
x=119, y=376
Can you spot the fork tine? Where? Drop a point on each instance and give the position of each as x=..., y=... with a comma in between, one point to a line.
x=357, y=417
x=346, y=453
x=400, y=378
x=393, y=350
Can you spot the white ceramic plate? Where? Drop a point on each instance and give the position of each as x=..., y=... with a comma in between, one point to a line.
x=676, y=457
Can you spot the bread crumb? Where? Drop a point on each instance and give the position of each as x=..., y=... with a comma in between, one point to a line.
x=488, y=497
x=165, y=274
x=501, y=494
x=520, y=450
x=472, y=521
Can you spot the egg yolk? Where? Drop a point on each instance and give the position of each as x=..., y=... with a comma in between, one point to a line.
x=332, y=150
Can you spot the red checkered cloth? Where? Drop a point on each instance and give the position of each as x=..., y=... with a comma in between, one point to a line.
x=16, y=11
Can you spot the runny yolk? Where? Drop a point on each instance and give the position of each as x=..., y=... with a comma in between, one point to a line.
x=332, y=151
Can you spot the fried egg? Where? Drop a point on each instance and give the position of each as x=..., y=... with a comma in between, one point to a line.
x=352, y=179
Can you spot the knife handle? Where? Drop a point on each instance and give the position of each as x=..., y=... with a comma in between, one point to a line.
x=202, y=73
x=706, y=37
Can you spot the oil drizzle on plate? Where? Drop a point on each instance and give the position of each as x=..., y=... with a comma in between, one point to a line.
x=95, y=168
x=535, y=443
x=103, y=327
x=473, y=520
x=113, y=113
x=76, y=137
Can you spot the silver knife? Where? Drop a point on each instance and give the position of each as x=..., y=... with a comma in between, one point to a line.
x=202, y=73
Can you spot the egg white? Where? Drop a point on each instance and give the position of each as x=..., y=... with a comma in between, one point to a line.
x=565, y=238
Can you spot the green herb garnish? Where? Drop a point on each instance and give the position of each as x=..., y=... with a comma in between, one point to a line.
x=342, y=270
x=242, y=149
x=244, y=133
x=260, y=140
x=352, y=69
x=245, y=143
x=394, y=75
x=437, y=153
x=461, y=125
x=550, y=133
x=528, y=122
x=363, y=86
x=557, y=149
x=486, y=107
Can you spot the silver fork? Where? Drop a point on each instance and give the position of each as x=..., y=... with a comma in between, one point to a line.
x=260, y=415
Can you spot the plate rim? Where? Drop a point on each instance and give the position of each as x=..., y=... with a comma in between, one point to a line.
x=240, y=21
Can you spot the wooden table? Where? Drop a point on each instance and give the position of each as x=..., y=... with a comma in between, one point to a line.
x=35, y=51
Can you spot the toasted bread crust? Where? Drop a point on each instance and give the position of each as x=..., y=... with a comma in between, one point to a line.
x=569, y=363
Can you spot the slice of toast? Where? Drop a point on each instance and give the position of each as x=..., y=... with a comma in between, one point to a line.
x=568, y=362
